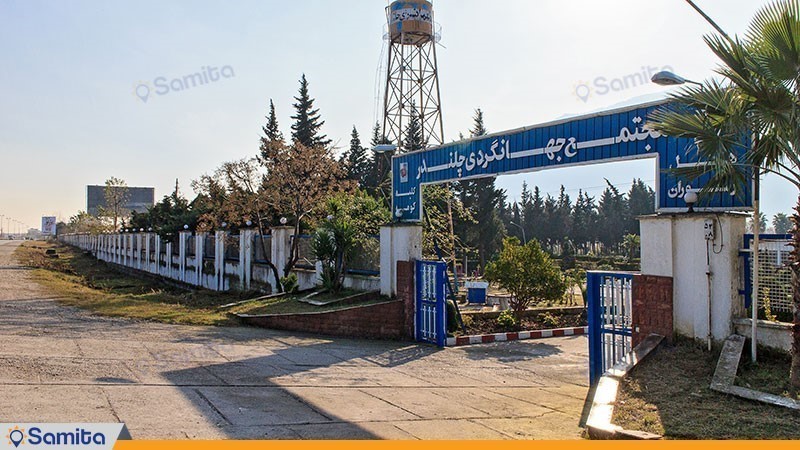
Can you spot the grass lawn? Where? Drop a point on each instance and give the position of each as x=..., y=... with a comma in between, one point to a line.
x=289, y=304
x=669, y=394
x=769, y=374
x=83, y=281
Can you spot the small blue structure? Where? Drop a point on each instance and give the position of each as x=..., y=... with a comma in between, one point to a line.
x=476, y=291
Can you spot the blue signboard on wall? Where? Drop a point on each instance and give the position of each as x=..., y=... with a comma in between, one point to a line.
x=620, y=134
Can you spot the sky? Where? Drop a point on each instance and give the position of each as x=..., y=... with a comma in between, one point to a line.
x=72, y=114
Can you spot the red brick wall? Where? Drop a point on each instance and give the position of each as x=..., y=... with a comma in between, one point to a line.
x=380, y=321
x=406, y=294
x=652, y=307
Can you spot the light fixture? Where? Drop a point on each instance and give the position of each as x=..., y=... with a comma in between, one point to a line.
x=249, y=223
x=667, y=78
x=690, y=198
x=186, y=227
x=283, y=220
x=224, y=224
x=398, y=213
x=384, y=148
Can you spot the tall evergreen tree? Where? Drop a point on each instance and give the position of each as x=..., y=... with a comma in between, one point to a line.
x=584, y=221
x=355, y=161
x=611, y=213
x=485, y=232
x=305, y=129
x=549, y=227
x=641, y=201
x=562, y=219
x=414, y=140
x=272, y=134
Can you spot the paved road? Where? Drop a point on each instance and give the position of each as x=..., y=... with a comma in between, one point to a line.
x=61, y=364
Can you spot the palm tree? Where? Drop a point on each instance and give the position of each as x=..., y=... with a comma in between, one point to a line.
x=757, y=98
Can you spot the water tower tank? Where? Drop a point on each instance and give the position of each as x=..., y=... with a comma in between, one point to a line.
x=410, y=22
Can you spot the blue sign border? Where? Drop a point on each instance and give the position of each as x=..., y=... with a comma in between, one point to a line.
x=614, y=135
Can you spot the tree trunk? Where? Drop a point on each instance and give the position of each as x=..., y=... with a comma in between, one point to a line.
x=795, y=371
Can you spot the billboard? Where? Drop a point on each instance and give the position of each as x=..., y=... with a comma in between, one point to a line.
x=49, y=225
x=139, y=198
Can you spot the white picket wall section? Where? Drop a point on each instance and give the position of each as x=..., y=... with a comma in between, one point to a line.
x=148, y=252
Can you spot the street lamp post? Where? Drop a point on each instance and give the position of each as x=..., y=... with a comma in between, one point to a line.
x=524, y=239
x=667, y=78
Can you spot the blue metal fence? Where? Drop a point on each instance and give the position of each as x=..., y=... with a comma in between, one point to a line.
x=609, y=316
x=431, y=316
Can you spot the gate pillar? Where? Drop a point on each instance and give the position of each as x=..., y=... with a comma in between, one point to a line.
x=689, y=247
x=399, y=242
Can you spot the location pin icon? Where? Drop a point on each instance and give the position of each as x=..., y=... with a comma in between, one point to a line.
x=143, y=92
x=582, y=92
x=16, y=437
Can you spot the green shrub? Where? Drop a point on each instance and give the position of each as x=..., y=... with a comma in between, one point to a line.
x=507, y=320
x=289, y=283
x=549, y=320
x=528, y=273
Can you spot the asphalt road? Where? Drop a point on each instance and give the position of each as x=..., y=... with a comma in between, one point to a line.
x=61, y=364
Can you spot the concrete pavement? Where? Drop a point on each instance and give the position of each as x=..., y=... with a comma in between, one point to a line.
x=61, y=364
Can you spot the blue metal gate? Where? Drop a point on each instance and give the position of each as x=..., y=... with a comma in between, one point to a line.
x=431, y=316
x=609, y=316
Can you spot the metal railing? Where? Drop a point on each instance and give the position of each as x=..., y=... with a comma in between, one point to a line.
x=774, y=272
x=610, y=297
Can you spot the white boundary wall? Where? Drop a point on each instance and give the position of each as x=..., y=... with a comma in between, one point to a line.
x=206, y=268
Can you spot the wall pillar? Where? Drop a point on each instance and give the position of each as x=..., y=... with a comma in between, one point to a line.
x=219, y=260
x=281, y=247
x=674, y=245
x=183, y=237
x=399, y=242
x=245, y=257
x=199, y=252
x=139, y=262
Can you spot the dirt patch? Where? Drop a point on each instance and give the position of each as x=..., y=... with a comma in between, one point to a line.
x=669, y=394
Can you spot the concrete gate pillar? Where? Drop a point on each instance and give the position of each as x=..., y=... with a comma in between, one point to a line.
x=399, y=242
x=675, y=245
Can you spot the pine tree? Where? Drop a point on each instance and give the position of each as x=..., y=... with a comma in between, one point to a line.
x=413, y=139
x=611, y=217
x=549, y=228
x=641, y=201
x=272, y=134
x=485, y=232
x=355, y=161
x=305, y=129
x=584, y=221
x=562, y=220
x=378, y=176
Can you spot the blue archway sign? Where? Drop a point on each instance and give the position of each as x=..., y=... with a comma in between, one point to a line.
x=614, y=135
